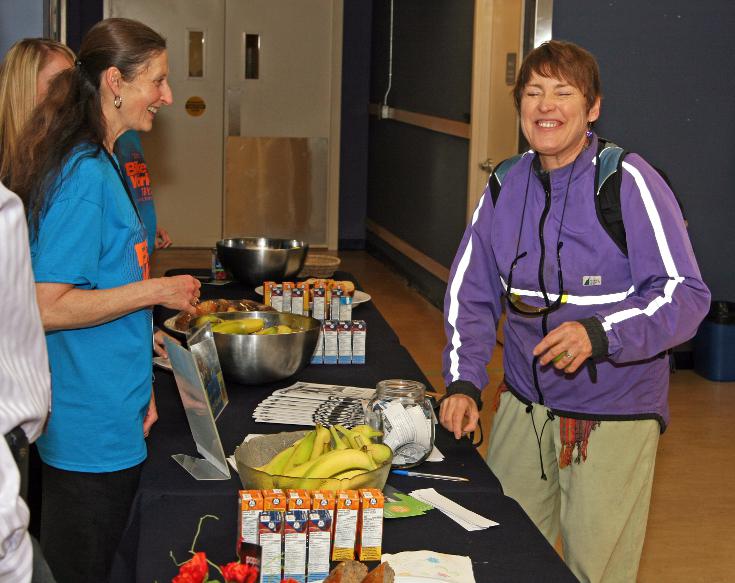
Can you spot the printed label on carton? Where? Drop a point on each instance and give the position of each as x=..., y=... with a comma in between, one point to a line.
x=370, y=529
x=331, y=349
x=268, y=292
x=345, y=525
x=287, y=287
x=277, y=297
x=320, y=540
x=297, y=301
x=334, y=303
x=344, y=341
x=294, y=544
x=319, y=307
x=251, y=504
x=345, y=307
x=298, y=499
x=359, y=337
x=271, y=541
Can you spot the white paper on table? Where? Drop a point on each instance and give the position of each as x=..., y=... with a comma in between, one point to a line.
x=435, y=455
x=461, y=515
x=402, y=428
x=431, y=566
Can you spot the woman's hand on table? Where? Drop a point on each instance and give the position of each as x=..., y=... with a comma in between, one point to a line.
x=180, y=292
x=459, y=414
x=151, y=416
x=159, y=347
x=567, y=347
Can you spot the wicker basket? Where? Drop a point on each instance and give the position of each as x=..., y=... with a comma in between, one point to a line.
x=321, y=266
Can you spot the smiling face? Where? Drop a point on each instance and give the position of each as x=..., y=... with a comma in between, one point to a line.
x=56, y=62
x=145, y=94
x=554, y=119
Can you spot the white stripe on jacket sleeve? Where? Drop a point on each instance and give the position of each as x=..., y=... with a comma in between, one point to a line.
x=663, y=249
x=454, y=288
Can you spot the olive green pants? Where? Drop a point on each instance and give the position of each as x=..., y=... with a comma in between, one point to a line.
x=600, y=506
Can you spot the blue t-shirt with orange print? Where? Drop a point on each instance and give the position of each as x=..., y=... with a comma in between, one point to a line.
x=90, y=236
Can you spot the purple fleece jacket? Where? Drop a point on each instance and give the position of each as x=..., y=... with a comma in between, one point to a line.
x=647, y=302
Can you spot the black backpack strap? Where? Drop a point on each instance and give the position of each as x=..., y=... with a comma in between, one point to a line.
x=608, y=180
x=498, y=176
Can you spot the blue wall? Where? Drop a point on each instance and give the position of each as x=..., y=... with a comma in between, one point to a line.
x=20, y=19
x=668, y=84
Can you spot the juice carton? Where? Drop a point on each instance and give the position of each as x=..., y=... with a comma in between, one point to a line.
x=270, y=533
x=370, y=525
x=287, y=287
x=334, y=302
x=320, y=541
x=345, y=525
x=359, y=336
x=294, y=542
x=268, y=292
x=297, y=301
x=318, y=356
x=250, y=507
x=298, y=499
x=277, y=297
x=324, y=500
x=319, y=307
x=344, y=342
x=330, y=341
x=304, y=287
x=345, y=305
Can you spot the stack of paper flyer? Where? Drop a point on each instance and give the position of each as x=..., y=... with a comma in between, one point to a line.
x=310, y=403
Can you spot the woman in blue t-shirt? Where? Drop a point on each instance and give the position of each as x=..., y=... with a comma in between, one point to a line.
x=90, y=261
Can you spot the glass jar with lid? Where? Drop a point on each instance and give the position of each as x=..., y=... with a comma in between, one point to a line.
x=402, y=412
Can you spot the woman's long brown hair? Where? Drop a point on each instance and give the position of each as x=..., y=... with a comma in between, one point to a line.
x=71, y=114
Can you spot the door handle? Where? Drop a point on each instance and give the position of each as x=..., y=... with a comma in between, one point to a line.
x=487, y=165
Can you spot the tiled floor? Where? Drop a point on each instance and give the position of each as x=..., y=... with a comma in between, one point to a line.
x=691, y=537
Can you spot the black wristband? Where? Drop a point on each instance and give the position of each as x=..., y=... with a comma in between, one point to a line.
x=465, y=388
x=597, y=336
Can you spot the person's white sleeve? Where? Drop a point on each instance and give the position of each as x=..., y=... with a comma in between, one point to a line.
x=16, y=553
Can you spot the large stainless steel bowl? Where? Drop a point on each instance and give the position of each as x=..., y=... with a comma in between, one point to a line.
x=254, y=260
x=252, y=359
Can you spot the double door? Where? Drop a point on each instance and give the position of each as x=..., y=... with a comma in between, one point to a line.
x=250, y=146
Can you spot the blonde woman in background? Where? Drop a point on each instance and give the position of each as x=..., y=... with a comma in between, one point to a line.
x=27, y=70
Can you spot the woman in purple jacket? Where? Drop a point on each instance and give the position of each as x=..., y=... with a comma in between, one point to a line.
x=587, y=328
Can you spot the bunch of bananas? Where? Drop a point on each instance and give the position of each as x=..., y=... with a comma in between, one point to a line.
x=336, y=452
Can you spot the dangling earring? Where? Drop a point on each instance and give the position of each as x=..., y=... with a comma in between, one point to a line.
x=588, y=133
x=117, y=102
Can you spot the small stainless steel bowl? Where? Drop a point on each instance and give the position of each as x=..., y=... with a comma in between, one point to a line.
x=254, y=260
x=251, y=359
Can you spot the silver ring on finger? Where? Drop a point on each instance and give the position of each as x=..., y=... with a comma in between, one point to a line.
x=568, y=355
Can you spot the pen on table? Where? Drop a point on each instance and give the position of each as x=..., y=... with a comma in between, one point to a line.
x=434, y=476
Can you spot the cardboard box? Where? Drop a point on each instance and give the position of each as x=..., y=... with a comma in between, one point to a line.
x=287, y=287
x=270, y=533
x=345, y=525
x=250, y=507
x=344, y=342
x=320, y=541
x=359, y=338
x=370, y=525
x=331, y=349
x=294, y=542
x=277, y=297
x=318, y=356
x=298, y=500
x=319, y=306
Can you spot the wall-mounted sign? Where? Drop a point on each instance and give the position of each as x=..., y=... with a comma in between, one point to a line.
x=195, y=106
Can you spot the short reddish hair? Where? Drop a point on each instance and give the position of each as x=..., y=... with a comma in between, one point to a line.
x=561, y=60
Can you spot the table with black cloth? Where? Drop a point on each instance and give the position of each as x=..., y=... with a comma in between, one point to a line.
x=170, y=502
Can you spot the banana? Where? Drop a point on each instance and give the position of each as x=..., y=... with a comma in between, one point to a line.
x=302, y=452
x=244, y=326
x=366, y=431
x=333, y=462
x=279, y=461
x=379, y=452
x=348, y=474
x=321, y=442
x=348, y=435
x=338, y=443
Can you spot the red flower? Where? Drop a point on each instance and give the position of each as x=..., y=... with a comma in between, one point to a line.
x=194, y=570
x=239, y=573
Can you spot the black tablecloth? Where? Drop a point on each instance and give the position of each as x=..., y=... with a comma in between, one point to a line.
x=170, y=502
